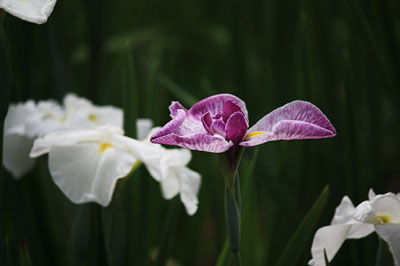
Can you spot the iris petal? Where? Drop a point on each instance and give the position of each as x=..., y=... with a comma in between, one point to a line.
x=295, y=120
x=236, y=127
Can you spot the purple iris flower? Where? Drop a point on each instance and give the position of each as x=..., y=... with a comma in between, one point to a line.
x=220, y=123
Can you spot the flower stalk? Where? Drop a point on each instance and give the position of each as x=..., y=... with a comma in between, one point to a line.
x=232, y=217
x=229, y=162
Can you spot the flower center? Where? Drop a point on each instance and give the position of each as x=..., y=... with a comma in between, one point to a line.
x=383, y=219
x=230, y=123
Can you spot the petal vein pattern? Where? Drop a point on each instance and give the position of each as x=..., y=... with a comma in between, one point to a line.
x=295, y=120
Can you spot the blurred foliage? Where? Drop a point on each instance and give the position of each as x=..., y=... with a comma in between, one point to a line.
x=343, y=56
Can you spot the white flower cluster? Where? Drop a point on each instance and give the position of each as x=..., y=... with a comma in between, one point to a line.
x=88, y=152
x=381, y=213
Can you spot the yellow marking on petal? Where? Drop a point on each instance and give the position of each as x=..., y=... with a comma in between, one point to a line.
x=254, y=134
x=104, y=146
x=47, y=116
x=383, y=219
x=93, y=118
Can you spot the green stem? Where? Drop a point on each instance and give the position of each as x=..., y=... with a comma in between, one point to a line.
x=222, y=260
x=232, y=217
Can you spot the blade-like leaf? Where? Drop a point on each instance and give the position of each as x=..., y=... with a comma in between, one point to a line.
x=300, y=239
x=326, y=259
x=130, y=101
x=178, y=92
x=224, y=255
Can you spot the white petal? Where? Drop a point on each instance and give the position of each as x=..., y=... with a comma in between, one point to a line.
x=66, y=137
x=107, y=115
x=81, y=112
x=371, y=194
x=85, y=173
x=16, y=154
x=143, y=127
x=170, y=187
x=360, y=230
x=36, y=11
x=22, y=119
x=391, y=234
x=52, y=117
x=189, y=187
x=149, y=154
x=381, y=209
x=344, y=212
x=331, y=239
x=184, y=181
x=177, y=157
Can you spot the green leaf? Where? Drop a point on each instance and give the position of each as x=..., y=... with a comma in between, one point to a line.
x=224, y=255
x=130, y=101
x=178, y=92
x=326, y=259
x=232, y=216
x=300, y=239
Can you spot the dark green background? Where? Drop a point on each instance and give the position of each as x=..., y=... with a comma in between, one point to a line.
x=343, y=56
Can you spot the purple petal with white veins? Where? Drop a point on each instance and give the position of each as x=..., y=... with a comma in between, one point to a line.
x=236, y=127
x=172, y=126
x=187, y=132
x=218, y=127
x=198, y=142
x=215, y=104
x=207, y=121
x=230, y=108
x=195, y=129
x=174, y=107
x=295, y=120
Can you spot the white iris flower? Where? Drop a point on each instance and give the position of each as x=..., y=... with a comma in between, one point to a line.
x=19, y=132
x=171, y=171
x=381, y=213
x=86, y=164
x=35, y=11
x=26, y=121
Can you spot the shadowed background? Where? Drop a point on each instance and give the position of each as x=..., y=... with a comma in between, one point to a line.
x=343, y=56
